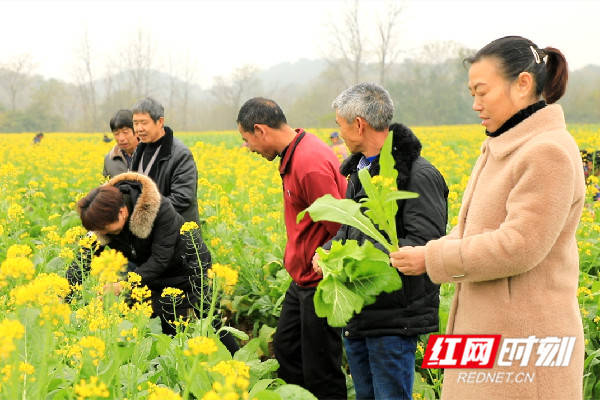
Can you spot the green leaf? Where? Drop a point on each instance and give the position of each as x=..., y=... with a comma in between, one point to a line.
x=294, y=392
x=371, y=274
x=259, y=370
x=386, y=160
x=400, y=195
x=335, y=301
x=347, y=212
x=332, y=262
x=265, y=334
x=259, y=386
x=376, y=277
x=366, y=273
x=235, y=332
x=374, y=203
x=266, y=395
x=248, y=352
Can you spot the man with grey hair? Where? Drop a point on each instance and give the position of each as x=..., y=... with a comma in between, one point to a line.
x=381, y=340
x=165, y=159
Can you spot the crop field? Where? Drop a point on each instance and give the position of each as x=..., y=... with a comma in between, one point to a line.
x=64, y=342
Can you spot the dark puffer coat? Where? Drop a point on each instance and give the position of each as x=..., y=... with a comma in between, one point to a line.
x=152, y=243
x=412, y=310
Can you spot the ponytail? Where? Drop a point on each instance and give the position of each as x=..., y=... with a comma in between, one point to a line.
x=557, y=75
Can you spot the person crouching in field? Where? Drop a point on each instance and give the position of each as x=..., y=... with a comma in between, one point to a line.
x=513, y=254
x=130, y=215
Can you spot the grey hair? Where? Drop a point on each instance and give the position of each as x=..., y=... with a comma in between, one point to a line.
x=149, y=106
x=367, y=100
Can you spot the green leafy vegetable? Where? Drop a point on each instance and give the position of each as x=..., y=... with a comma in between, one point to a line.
x=354, y=275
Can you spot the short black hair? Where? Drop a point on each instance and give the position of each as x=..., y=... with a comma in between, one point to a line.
x=122, y=119
x=259, y=110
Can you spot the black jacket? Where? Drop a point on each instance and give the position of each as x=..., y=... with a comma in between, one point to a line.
x=175, y=174
x=152, y=243
x=413, y=309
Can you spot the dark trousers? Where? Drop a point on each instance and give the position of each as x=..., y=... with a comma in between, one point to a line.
x=309, y=351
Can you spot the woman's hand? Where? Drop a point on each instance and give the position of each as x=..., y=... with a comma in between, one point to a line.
x=409, y=260
x=315, y=264
x=114, y=288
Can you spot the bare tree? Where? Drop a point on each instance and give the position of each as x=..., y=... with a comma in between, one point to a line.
x=173, y=82
x=86, y=83
x=139, y=61
x=232, y=91
x=188, y=72
x=386, y=50
x=15, y=76
x=347, y=51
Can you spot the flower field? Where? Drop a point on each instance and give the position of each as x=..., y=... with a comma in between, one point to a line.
x=66, y=342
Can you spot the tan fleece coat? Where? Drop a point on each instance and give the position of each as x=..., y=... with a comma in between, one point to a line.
x=513, y=256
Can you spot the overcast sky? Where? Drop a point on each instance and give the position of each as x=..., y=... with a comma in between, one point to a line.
x=221, y=35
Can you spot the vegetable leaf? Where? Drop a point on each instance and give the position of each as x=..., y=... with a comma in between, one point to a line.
x=366, y=274
x=347, y=212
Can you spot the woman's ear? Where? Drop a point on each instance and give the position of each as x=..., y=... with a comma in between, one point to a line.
x=525, y=85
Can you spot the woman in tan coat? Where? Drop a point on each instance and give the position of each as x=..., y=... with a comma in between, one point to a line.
x=513, y=254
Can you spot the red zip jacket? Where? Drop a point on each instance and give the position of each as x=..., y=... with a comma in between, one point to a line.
x=309, y=169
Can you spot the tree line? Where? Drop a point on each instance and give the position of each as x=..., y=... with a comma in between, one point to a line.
x=428, y=86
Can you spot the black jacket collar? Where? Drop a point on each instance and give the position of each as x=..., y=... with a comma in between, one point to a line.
x=163, y=154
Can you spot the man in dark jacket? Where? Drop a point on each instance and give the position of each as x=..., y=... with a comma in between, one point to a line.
x=381, y=340
x=118, y=160
x=165, y=159
x=308, y=350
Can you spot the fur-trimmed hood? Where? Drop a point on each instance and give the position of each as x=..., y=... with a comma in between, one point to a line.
x=406, y=148
x=145, y=199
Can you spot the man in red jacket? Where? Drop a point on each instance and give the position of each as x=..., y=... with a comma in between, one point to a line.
x=309, y=351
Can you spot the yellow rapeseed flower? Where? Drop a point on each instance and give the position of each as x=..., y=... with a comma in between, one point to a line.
x=129, y=334
x=108, y=266
x=93, y=388
x=200, y=345
x=26, y=368
x=44, y=289
x=94, y=346
x=9, y=331
x=188, y=226
x=17, y=267
x=15, y=212
x=18, y=250
x=140, y=294
x=66, y=253
x=73, y=234
x=228, y=274
x=156, y=392
x=172, y=292
x=232, y=368
x=55, y=312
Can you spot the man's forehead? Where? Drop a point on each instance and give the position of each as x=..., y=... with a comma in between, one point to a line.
x=139, y=116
